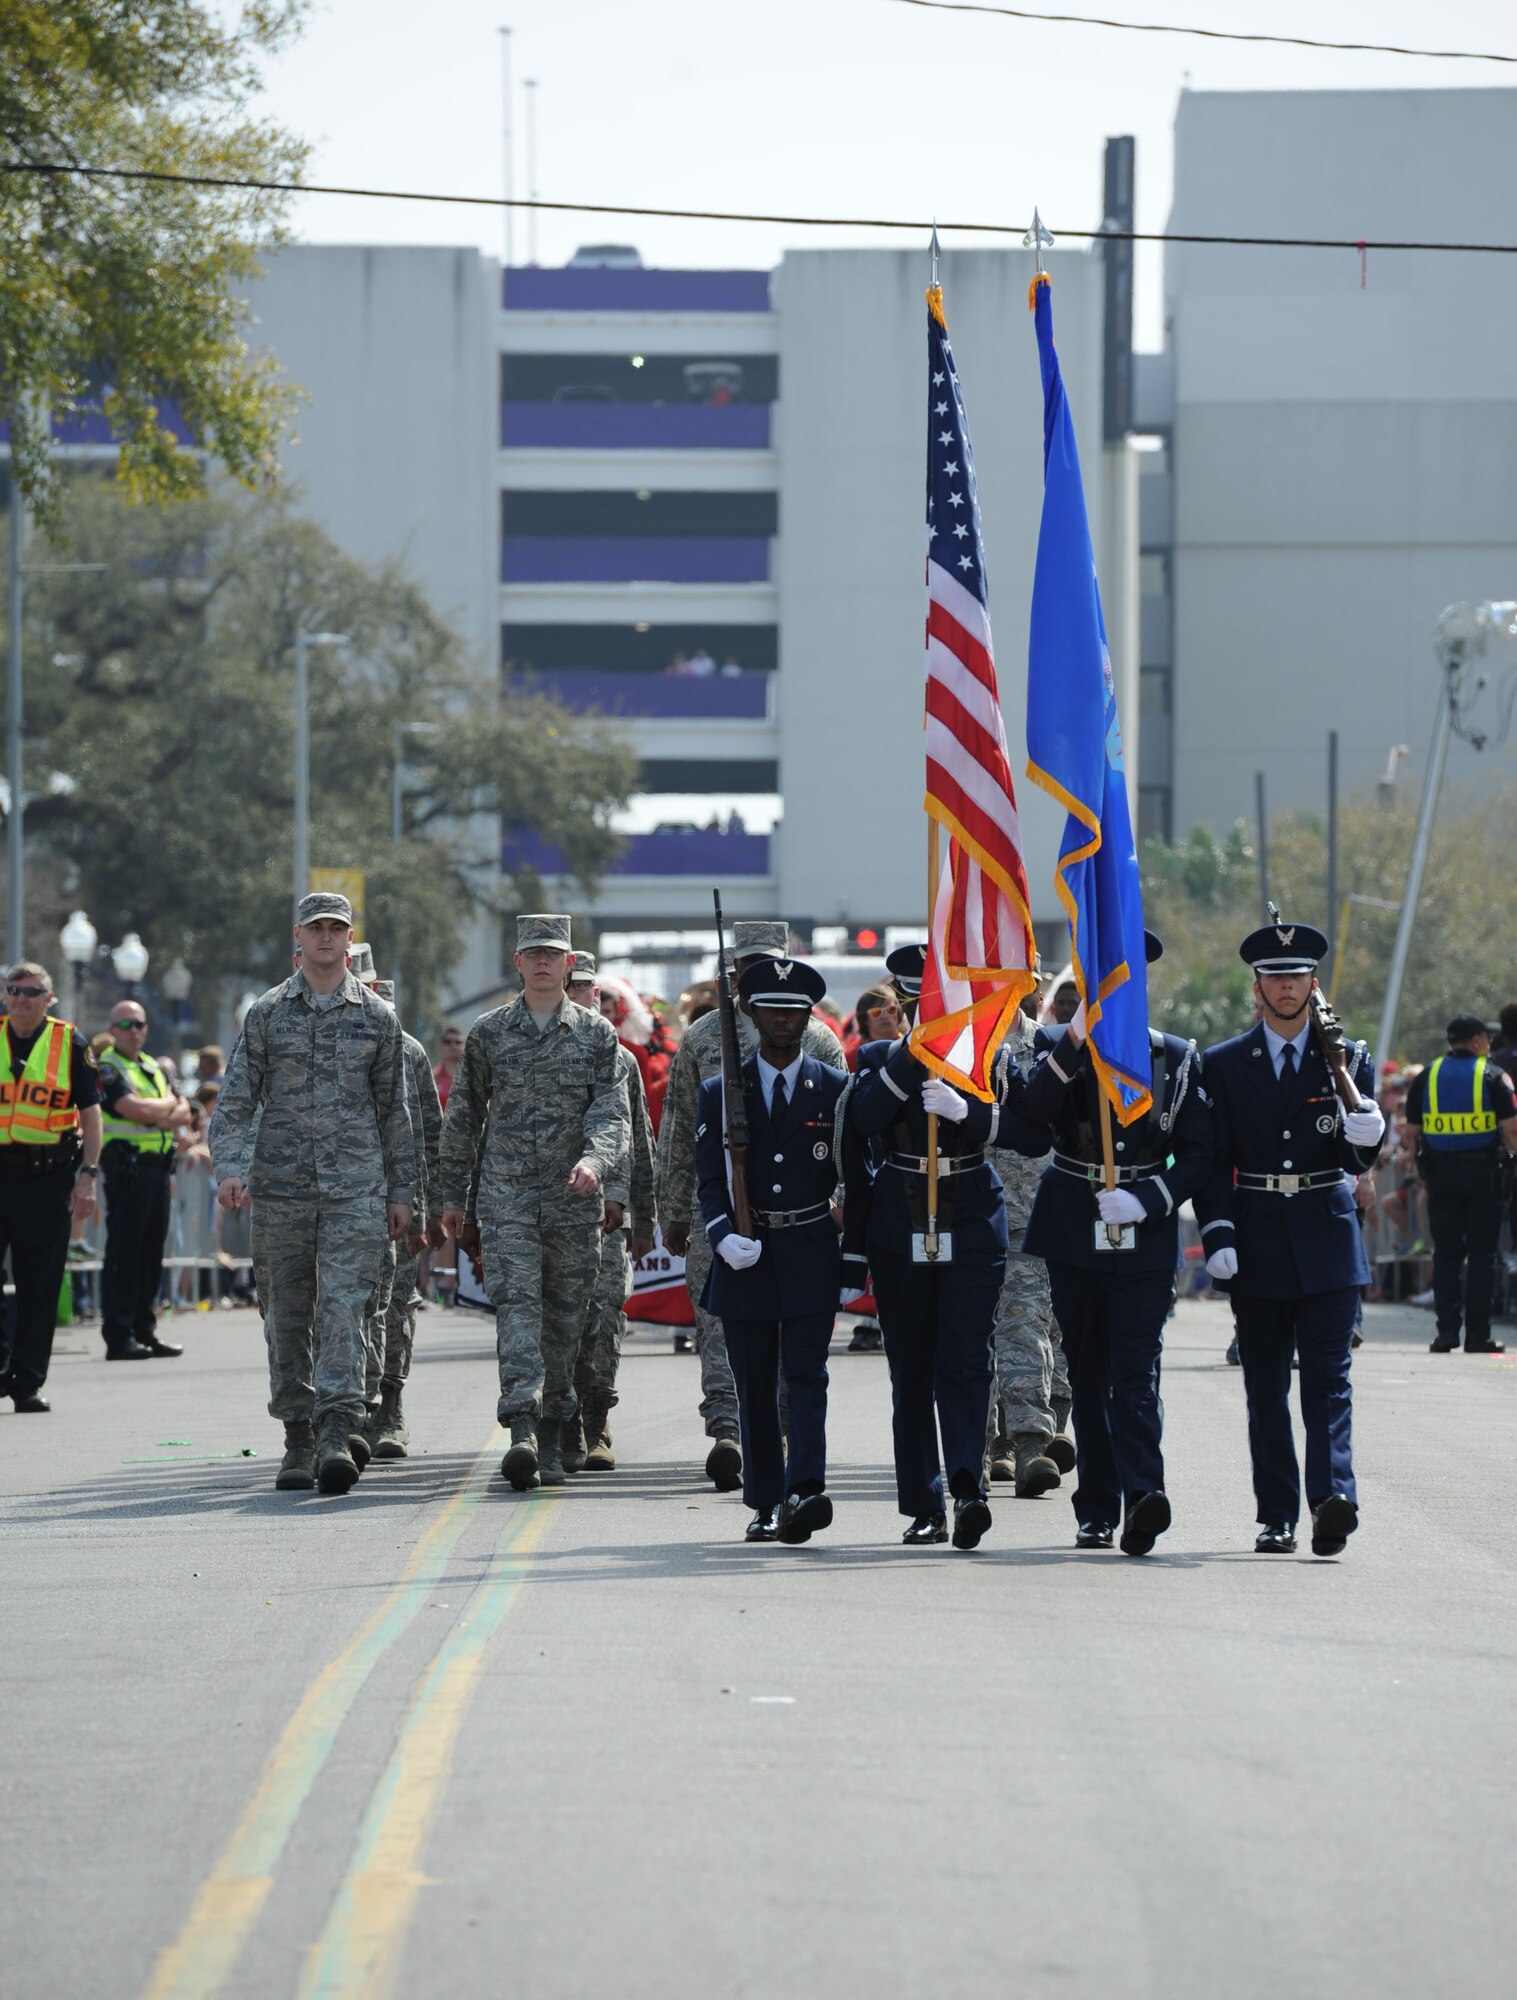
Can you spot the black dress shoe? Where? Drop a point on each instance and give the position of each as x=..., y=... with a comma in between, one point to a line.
x=156, y=1346
x=1444, y=1343
x=132, y=1351
x=1234, y=1358
x=764, y=1527
x=1093, y=1535
x=804, y=1515
x=1485, y=1347
x=1332, y=1524
x=971, y=1521
x=29, y=1404
x=1147, y=1518
x=926, y=1528
x=1276, y=1540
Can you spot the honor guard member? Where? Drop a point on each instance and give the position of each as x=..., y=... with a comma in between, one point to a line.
x=1463, y=1113
x=936, y=1313
x=600, y=1345
x=49, y=1154
x=1281, y=1229
x=777, y=1290
x=540, y=1105
x=140, y=1115
x=1111, y=1259
x=312, y=1129
x=698, y=1057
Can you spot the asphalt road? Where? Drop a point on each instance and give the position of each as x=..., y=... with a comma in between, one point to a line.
x=438, y=1739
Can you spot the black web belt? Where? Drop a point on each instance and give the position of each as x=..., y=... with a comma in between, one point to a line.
x=1085, y=1170
x=791, y=1218
x=915, y=1163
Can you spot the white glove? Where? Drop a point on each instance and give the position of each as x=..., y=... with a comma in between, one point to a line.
x=1363, y=1127
x=1120, y=1206
x=944, y=1100
x=738, y=1252
x=850, y=1295
x=1223, y=1263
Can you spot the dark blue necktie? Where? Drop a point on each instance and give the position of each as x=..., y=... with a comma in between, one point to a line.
x=1287, y=1068
x=777, y=1103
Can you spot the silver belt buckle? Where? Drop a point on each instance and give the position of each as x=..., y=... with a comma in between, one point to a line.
x=1289, y=1183
x=932, y=1249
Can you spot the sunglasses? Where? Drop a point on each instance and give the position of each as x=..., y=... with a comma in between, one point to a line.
x=140, y=1026
x=26, y=992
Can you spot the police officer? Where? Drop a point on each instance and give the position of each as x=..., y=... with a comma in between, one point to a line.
x=1280, y=1227
x=1463, y=1112
x=936, y=1314
x=1111, y=1258
x=141, y=1114
x=777, y=1290
x=49, y=1155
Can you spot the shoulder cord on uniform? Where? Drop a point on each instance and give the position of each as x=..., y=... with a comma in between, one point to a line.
x=1170, y=1117
x=838, y=1111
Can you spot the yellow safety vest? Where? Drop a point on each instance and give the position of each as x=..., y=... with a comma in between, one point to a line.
x=34, y=1108
x=1477, y=1124
x=146, y=1080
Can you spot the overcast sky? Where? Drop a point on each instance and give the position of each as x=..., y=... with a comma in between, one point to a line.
x=853, y=107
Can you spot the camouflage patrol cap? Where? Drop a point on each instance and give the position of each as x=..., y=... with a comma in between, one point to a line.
x=324, y=903
x=584, y=966
x=541, y=930
x=361, y=962
x=755, y=937
x=384, y=989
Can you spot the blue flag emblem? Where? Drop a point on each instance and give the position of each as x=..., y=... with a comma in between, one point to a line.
x=1074, y=752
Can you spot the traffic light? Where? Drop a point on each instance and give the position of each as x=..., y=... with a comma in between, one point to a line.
x=866, y=937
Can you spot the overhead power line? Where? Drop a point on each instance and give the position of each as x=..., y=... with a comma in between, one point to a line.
x=1208, y=34
x=917, y=226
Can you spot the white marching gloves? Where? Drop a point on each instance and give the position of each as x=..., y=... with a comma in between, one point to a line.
x=739, y=1252
x=1223, y=1263
x=944, y=1100
x=1364, y=1126
x=1120, y=1206
x=850, y=1295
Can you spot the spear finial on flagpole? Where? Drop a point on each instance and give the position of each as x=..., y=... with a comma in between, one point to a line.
x=934, y=252
x=1038, y=240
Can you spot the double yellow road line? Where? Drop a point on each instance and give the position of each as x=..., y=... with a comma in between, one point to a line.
x=355, y=1953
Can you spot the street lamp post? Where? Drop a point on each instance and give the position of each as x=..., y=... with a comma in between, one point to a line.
x=176, y=984
x=303, y=642
x=397, y=802
x=130, y=959
x=77, y=941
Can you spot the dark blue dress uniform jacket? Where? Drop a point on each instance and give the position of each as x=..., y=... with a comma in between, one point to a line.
x=1289, y=1246
x=793, y=1168
x=1176, y=1139
x=886, y=1111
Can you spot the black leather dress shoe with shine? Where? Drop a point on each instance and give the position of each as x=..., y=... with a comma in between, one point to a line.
x=804, y=1515
x=926, y=1529
x=156, y=1346
x=1094, y=1535
x=133, y=1351
x=1276, y=1539
x=30, y=1405
x=764, y=1527
x=971, y=1522
x=1147, y=1518
x=1333, y=1521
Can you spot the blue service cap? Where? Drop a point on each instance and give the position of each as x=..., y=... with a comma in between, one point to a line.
x=781, y=982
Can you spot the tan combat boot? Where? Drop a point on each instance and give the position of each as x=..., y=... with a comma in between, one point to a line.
x=1035, y=1471
x=550, y=1458
x=598, y=1455
x=572, y=1444
x=519, y=1466
x=297, y=1470
x=336, y=1467
x=391, y=1437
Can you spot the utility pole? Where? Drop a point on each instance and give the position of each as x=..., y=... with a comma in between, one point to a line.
x=1263, y=839
x=510, y=144
x=530, y=87
x=1330, y=923
x=16, y=839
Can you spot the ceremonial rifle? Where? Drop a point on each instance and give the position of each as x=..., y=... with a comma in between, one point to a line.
x=1328, y=1037
x=734, y=1102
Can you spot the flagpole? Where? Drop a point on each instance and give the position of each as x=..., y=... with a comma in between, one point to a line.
x=930, y=1241
x=1108, y=1162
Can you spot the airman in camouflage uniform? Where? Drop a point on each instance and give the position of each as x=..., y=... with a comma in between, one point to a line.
x=699, y=1056
x=392, y=1333
x=1029, y=1413
x=600, y=1344
x=312, y=1127
x=541, y=1083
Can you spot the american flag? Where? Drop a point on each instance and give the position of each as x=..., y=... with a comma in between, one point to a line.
x=980, y=948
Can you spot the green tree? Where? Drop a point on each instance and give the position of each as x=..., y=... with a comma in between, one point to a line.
x=161, y=744
x=1202, y=897
x=131, y=290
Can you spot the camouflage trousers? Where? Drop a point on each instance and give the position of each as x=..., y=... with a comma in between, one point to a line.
x=390, y=1325
x=718, y=1390
x=316, y=1263
x=540, y=1275
x=600, y=1345
x=1031, y=1377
